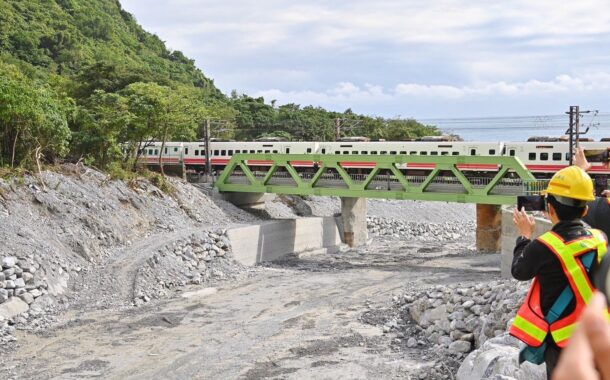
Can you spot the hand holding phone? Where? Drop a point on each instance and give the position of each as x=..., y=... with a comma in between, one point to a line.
x=525, y=223
x=531, y=203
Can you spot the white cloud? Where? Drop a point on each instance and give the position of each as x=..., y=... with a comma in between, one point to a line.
x=449, y=50
x=344, y=94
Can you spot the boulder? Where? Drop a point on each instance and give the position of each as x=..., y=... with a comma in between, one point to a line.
x=460, y=346
x=9, y=262
x=499, y=358
x=13, y=307
x=27, y=298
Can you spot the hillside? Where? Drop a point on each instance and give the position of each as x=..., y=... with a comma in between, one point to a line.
x=67, y=36
x=81, y=80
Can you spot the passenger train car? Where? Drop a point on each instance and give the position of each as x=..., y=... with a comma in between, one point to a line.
x=543, y=158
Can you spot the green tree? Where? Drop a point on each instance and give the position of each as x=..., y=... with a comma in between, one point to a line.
x=160, y=113
x=33, y=119
x=103, y=127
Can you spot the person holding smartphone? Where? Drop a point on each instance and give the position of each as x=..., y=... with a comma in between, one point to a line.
x=598, y=215
x=562, y=263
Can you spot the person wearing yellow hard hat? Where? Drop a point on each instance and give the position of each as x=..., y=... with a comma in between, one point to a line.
x=598, y=215
x=561, y=262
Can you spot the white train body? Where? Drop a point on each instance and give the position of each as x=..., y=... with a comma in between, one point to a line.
x=538, y=157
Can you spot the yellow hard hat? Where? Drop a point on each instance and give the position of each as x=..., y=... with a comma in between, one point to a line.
x=571, y=186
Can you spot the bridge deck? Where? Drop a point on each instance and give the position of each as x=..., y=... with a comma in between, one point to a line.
x=444, y=180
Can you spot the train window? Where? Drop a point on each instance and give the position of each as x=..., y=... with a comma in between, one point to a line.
x=337, y=152
x=156, y=151
x=473, y=152
x=511, y=152
x=423, y=153
x=223, y=152
x=444, y=153
x=165, y=150
x=568, y=156
x=544, y=156
x=287, y=150
x=363, y=152
x=186, y=150
x=216, y=153
x=492, y=152
x=259, y=151
x=346, y=152
x=434, y=153
x=196, y=152
x=532, y=156
x=267, y=151
x=383, y=152
x=237, y=151
x=556, y=156
x=323, y=150
x=175, y=149
x=392, y=152
x=403, y=152
x=150, y=152
x=274, y=151
x=308, y=150
x=455, y=153
x=412, y=152
x=354, y=152
x=374, y=152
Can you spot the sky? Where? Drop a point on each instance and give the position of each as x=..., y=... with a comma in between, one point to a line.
x=397, y=58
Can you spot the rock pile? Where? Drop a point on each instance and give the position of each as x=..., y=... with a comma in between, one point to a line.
x=20, y=288
x=448, y=323
x=17, y=282
x=191, y=261
x=454, y=230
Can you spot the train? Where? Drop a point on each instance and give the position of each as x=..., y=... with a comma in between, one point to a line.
x=542, y=156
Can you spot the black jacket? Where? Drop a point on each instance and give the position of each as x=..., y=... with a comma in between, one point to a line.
x=599, y=215
x=532, y=258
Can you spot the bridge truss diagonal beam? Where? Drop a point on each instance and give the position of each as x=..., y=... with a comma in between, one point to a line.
x=446, y=179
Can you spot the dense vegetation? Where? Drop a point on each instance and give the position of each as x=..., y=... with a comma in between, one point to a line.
x=81, y=79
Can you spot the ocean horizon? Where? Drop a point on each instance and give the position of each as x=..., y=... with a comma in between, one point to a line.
x=520, y=128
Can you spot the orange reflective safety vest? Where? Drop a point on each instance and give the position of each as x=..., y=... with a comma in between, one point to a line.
x=530, y=326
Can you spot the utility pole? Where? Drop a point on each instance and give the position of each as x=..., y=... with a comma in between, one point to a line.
x=337, y=129
x=208, y=161
x=573, y=131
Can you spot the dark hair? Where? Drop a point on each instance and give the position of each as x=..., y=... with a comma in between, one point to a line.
x=565, y=212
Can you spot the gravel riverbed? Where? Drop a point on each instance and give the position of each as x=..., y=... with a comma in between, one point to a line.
x=102, y=267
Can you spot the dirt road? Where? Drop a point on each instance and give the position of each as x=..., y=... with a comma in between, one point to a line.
x=296, y=319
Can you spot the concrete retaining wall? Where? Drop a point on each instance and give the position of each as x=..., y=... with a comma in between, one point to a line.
x=272, y=240
x=509, y=237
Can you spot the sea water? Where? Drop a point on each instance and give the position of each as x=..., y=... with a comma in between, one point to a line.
x=520, y=128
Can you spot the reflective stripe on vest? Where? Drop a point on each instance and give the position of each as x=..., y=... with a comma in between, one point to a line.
x=569, y=254
x=529, y=325
x=534, y=330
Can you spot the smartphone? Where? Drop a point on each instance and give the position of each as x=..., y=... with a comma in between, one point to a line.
x=602, y=281
x=597, y=155
x=531, y=202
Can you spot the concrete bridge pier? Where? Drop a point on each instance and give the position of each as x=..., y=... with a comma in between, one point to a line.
x=489, y=228
x=353, y=221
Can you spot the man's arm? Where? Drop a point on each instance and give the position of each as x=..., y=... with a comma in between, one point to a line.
x=527, y=258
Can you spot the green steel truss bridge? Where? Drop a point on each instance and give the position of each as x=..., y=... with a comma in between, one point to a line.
x=445, y=179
